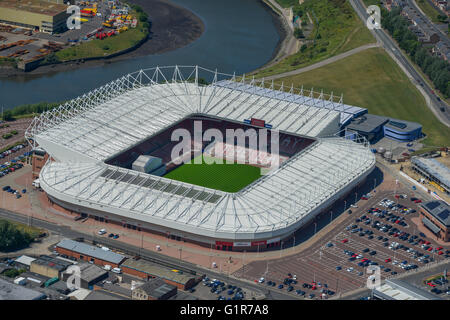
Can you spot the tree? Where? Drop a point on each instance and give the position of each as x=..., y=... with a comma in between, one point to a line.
x=7, y=115
x=298, y=33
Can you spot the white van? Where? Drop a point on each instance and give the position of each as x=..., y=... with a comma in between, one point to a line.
x=107, y=267
x=116, y=270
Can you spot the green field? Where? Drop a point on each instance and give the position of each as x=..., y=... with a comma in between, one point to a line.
x=225, y=177
x=338, y=31
x=371, y=79
x=105, y=47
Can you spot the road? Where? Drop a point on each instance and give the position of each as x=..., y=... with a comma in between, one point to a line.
x=395, y=52
x=146, y=254
x=424, y=17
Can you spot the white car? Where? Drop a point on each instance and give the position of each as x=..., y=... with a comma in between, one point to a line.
x=350, y=269
x=101, y=231
x=354, y=206
x=261, y=280
x=359, y=256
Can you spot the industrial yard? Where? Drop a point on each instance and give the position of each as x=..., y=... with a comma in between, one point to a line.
x=106, y=28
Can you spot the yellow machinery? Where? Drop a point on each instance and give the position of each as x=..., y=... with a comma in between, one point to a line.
x=122, y=29
x=434, y=184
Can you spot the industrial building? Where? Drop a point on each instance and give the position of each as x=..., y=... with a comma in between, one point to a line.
x=399, y=290
x=24, y=261
x=89, y=275
x=11, y=291
x=147, y=270
x=89, y=253
x=49, y=266
x=437, y=173
x=154, y=289
x=436, y=217
x=37, y=15
x=81, y=136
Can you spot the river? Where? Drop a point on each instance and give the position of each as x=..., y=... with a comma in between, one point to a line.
x=239, y=36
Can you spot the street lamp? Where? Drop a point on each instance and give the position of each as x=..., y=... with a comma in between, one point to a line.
x=345, y=205
x=315, y=227
x=331, y=214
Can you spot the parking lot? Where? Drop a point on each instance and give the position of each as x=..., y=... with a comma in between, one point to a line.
x=379, y=232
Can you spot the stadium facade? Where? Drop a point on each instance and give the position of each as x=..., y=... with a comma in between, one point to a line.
x=82, y=135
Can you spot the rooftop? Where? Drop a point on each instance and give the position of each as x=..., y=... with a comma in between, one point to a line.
x=90, y=272
x=438, y=209
x=400, y=290
x=367, y=123
x=26, y=260
x=402, y=125
x=435, y=168
x=156, y=288
x=11, y=291
x=90, y=251
x=155, y=270
x=51, y=263
x=34, y=6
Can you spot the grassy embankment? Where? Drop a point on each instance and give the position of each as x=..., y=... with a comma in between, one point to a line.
x=108, y=46
x=371, y=79
x=339, y=30
x=8, y=62
x=432, y=13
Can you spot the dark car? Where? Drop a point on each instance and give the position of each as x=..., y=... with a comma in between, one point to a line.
x=372, y=253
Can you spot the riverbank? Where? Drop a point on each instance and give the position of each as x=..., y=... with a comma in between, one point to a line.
x=172, y=27
x=284, y=46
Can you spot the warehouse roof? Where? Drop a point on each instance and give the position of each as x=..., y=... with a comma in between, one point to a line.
x=400, y=290
x=156, y=288
x=90, y=272
x=438, y=209
x=11, y=291
x=157, y=271
x=90, y=251
x=433, y=167
x=51, y=262
x=34, y=6
x=25, y=260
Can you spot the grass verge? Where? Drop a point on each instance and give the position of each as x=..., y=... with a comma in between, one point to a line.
x=338, y=30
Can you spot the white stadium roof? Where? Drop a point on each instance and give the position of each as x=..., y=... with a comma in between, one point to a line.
x=81, y=134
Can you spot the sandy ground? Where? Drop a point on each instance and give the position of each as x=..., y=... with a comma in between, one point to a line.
x=172, y=27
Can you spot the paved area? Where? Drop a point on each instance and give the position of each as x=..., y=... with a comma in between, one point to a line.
x=318, y=262
x=32, y=47
x=309, y=258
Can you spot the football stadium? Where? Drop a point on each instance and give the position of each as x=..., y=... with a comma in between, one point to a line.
x=200, y=156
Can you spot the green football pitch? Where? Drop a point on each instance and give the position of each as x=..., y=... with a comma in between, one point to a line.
x=225, y=177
